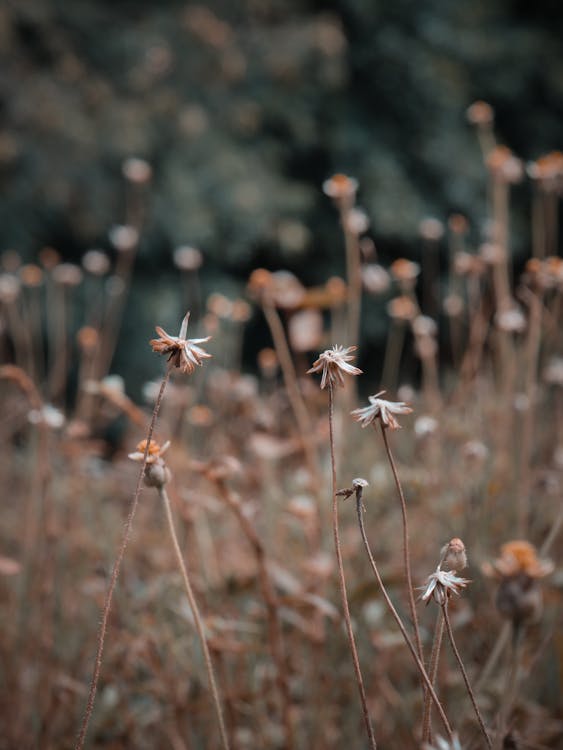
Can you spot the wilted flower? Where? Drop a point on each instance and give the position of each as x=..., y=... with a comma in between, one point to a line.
x=504, y=165
x=375, y=278
x=381, y=409
x=183, y=353
x=333, y=363
x=404, y=270
x=441, y=585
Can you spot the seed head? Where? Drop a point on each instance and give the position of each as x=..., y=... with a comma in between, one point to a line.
x=182, y=352
x=333, y=363
x=454, y=556
x=381, y=409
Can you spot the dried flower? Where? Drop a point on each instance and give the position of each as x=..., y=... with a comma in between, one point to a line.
x=157, y=473
x=155, y=451
x=516, y=557
x=431, y=229
x=375, y=278
x=381, y=409
x=504, y=166
x=183, y=353
x=136, y=170
x=187, y=258
x=404, y=270
x=95, y=262
x=402, y=308
x=124, y=237
x=332, y=363
x=441, y=585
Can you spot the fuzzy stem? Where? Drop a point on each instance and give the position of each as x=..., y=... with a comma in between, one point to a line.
x=464, y=673
x=342, y=580
x=197, y=617
x=396, y=616
x=115, y=572
x=433, y=671
x=406, y=549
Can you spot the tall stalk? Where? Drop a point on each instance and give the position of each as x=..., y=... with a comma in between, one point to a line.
x=342, y=580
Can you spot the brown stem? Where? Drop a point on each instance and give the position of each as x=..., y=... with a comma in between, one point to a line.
x=197, y=618
x=433, y=671
x=115, y=572
x=397, y=618
x=406, y=549
x=342, y=580
x=464, y=673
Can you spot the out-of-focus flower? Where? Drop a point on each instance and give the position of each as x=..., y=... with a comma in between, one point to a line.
x=424, y=426
x=492, y=253
x=518, y=570
x=67, y=274
x=423, y=325
x=155, y=451
x=480, y=113
x=357, y=221
x=381, y=409
x=402, y=308
x=441, y=585
x=47, y=415
x=458, y=224
x=95, y=262
x=548, y=171
x=187, y=258
x=404, y=270
x=182, y=352
x=375, y=278
x=333, y=364
x=137, y=171
x=124, y=237
x=553, y=373
x=31, y=275
x=504, y=166
x=305, y=330
x=431, y=229
x=340, y=187
x=512, y=320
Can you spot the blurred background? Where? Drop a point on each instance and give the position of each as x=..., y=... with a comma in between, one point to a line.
x=213, y=125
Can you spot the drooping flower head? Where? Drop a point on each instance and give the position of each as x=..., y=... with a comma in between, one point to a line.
x=381, y=409
x=333, y=363
x=182, y=352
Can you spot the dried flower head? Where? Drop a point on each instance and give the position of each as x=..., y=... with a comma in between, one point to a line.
x=157, y=473
x=187, y=258
x=182, y=352
x=441, y=585
x=155, y=451
x=333, y=363
x=516, y=557
x=124, y=237
x=381, y=409
x=518, y=570
x=402, y=308
x=504, y=166
x=404, y=270
x=375, y=278
x=96, y=262
x=431, y=229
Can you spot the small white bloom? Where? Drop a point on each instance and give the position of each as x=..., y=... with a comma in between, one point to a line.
x=381, y=409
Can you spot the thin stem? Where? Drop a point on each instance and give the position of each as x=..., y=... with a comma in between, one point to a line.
x=115, y=572
x=406, y=549
x=342, y=580
x=433, y=671
x=464, y=673
x=197, y=617
x=396, y=616
x=272, y=608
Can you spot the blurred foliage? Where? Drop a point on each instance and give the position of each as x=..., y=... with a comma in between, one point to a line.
x=242, y=109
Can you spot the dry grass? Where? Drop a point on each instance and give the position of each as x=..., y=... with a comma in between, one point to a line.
x=480, y=458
